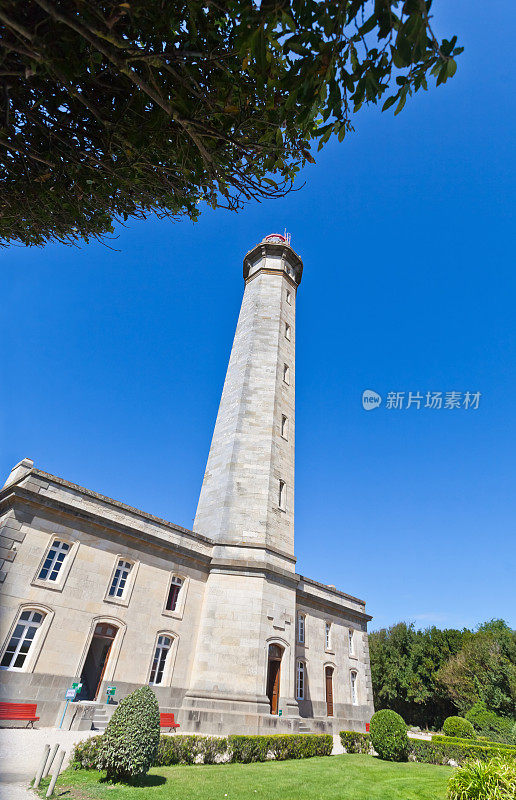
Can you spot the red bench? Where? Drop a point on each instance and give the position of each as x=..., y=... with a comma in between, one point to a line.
x=167, y=721
x=21, y=711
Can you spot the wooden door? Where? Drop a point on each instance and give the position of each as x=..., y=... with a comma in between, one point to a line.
x=273, y=677
x=329, y=691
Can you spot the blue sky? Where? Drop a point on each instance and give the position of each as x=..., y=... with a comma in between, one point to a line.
x=113, y=362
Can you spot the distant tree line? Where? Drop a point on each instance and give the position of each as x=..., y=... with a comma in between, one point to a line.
x=427, y=675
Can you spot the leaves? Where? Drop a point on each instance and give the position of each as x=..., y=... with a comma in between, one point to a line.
x=120, y=110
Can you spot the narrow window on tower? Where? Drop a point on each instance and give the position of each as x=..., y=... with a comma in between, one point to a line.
x=327, y=635
x=353, y=677
x=282, y=496
x=300, y=628
x=284, y=426
x=287, y=331
x=289, y=298
x=286, y=374
x=351, y=641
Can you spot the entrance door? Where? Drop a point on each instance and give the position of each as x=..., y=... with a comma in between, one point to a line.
x=273, y=676
x=329, y=691
x=96, y=660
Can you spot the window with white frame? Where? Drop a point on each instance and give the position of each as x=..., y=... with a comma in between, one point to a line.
x=300, y=627
x=300, y=680
x=351, y=641
x=22, y=639
x=327, y=635
x=353, y=679
x=284, y=426
x=287, y=331
x=282, y=495
x=53, y=562
x=286, y=374
x=174, y=591
x=159, y=661
x=119, y=582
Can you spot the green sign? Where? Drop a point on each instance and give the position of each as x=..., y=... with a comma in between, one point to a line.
x=280, y=713
x=111, y=690
x=77, y=686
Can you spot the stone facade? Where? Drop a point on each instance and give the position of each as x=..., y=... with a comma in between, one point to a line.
x=216, y=619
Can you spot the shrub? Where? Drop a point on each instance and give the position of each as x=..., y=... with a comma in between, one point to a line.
x=491, y=725
x=494, y=779
x=129, y=745
x=459, y=727
x=443, y=749
x=246, y=749
x=354, y=742
x=86, y=753
x=389, y=735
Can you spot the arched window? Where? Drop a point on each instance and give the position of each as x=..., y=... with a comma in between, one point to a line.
x=353, y=679
x=300, y=680
x=54, y=559
x=22, y=639
x=159, y=661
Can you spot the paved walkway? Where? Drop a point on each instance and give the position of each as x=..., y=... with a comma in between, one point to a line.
x=21, y=750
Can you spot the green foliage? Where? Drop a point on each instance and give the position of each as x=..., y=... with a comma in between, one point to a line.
x=484, y=670
x=86, y=753
x=187, y=749
x=116, y=110
x=491, y=725
x=246, y=749
x=354, y=742
x=129, y=745
x=443, y=749
x=389, y=736
x=494, y=779
x=458, y=727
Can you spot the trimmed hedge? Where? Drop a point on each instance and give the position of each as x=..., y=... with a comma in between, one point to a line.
x=443, y=749
x=389, y=735
x=355, y=742
x=178, y=749
x=458, y=726
x=246, y=749
x=129, y=745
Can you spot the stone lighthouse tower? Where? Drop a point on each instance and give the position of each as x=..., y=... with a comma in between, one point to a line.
x=246, y=503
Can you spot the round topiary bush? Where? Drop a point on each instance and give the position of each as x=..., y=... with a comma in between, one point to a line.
x=458, y=727
x=130, y=743
x=389, y=736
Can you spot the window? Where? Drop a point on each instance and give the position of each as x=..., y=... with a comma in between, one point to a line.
x=300, y=680
x=22, y=639
x=120, y=578
x=53, y=561
x=353, y=677
x=160, y=659
x=286, y=374
x=282, y=495
x=327, y=635
x=173, y=593
x=284, y=426
x=351, y=641
x=289, y=298
x=287, y=331
x=301, y=628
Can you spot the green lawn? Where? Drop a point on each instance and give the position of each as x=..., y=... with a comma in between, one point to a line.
x=345, y=777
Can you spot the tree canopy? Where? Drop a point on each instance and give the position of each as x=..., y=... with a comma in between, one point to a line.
x=111, y=110
x=427, y=675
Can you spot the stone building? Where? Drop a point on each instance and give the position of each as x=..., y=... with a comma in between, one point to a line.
x=216, y=620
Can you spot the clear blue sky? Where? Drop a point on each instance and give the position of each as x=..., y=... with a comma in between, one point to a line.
x=113, y=362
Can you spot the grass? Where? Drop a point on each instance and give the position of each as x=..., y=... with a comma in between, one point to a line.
x=346, y=777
